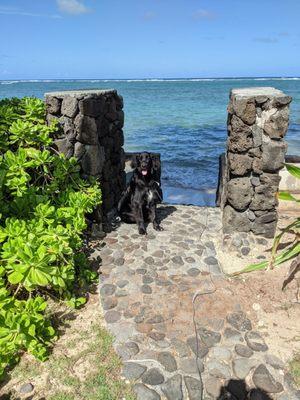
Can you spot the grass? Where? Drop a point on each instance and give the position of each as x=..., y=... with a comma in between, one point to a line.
x=101, y=382
x=83, y=366
x=295, y=369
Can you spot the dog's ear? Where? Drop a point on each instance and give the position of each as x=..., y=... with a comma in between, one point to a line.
x=155, y=162
x=134, y=161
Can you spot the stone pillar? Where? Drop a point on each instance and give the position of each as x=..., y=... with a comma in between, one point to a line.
x=257, y=123
x=91, y=123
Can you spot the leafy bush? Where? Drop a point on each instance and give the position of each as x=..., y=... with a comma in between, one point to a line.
x=43, y=202
x=293, y=249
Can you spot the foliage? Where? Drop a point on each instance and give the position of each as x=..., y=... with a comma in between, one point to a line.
x=293, y=248
x=43, y=202
x=295, y=369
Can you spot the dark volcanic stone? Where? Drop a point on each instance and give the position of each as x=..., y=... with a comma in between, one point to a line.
x=112, y=316
x=107, y=290
x=235, y=221
x=142, y=392
x=240, y=138
x=194, y=388
x=193, y=272
x=209, y=338
x=233, y=335
x=26, y=388
x=69, y=106
x=240, y=193
x=153, y=377
x=262, y=379
x=127, y=350
x=255, y=341
x=202, y=349
x=109, y=303
x=147, y=279
x=119, y=261
x=162, y=282
x=243, y=351
x=156, y=335
x=167, y=360
x=245, y=251
x=239, y=164
x=211, y=260
x=146, y=289
x=172, y=388
x=181, y=348
x=53, y=105
x=239, y=321
x=149, y=260
x=190, y=260
x=242, y=366
x=141, y=271
x=122, y=283
x=133, y=370
x=218, y=369
x=177, y=260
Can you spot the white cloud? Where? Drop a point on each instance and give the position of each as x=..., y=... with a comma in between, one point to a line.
x=203, y=14
x=73, y=7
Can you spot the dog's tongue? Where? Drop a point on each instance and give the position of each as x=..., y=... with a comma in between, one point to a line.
x=144, y=172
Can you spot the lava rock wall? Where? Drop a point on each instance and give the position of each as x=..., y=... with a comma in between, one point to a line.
x=91, y=123
x=258, y=120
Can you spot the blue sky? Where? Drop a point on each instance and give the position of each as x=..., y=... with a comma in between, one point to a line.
x=52, y=39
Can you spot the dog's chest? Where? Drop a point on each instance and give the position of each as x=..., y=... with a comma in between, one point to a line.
x=150, y=195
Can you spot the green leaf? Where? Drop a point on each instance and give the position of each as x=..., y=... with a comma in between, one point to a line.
x=31, y=330
x=39, y=277
x=293, y=170
x=286, y=196
x=15, y=277
x=281, y=258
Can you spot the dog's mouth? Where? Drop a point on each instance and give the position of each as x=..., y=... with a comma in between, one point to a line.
x=144, y=172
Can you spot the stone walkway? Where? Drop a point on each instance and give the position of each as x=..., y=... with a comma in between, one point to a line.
x=148, y=284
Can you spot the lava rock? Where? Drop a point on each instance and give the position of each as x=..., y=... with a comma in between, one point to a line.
x=239, y=321
x=167, y=360
x=255, y=341
x=26, y=388
x=142, y=392
x=172, y=388
x=263, y=379
x=242, y=366
x=243, y=351
x=133, y=371
x=153, y=377
x=194, y=388
x=208, y=337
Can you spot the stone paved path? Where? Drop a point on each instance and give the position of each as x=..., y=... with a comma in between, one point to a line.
x=147, y=288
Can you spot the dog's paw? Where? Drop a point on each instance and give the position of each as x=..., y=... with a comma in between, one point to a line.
x=158, y=228
x=142, y=231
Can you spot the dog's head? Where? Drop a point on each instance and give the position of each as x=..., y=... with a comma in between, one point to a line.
x=142, y=163
x=145, y=163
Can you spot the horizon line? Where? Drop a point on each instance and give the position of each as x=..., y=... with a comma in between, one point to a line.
x=152, y=78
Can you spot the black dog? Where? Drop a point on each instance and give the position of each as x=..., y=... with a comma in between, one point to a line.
x=138, y=202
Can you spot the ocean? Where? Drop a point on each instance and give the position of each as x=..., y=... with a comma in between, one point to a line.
x=183, y=119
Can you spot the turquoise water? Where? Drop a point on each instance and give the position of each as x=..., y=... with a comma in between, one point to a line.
x=184, y=120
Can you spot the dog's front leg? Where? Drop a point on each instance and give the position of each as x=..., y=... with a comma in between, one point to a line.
x=153, y=219
x=139, y=218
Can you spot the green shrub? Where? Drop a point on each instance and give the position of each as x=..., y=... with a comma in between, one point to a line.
x=43, y=202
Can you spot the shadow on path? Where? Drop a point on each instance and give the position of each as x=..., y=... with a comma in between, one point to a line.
x=236, y=389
